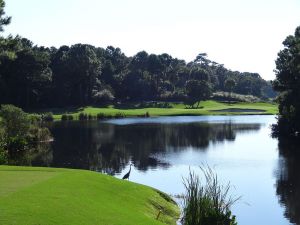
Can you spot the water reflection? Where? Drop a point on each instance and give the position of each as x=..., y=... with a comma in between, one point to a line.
x=288, y=179
x=163, y=151
x=108, y=147
x=41, y=154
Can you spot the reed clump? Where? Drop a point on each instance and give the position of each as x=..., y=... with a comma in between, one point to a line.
x=207, y=203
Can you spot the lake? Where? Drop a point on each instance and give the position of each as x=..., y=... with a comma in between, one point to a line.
x=163, y=150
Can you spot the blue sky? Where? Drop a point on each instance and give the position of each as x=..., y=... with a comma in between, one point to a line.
x=245, y=35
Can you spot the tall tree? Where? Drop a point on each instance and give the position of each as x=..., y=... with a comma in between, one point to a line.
x=155, y=68
x=26, y=75
x=76, y=71
x=4, y=20
x=61, y=82
x=229, y=85
x=287, y=83
x=197, y=91
x=84, y=68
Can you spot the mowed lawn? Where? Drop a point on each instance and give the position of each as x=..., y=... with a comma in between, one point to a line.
x=205, y=108
x=48, y=196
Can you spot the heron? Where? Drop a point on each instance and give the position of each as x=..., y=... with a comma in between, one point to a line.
x=126, y=176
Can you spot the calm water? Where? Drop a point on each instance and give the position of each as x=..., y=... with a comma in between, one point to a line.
x=240, y=149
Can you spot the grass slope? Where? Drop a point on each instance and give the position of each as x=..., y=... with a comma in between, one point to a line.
x=47, y=196
x=206, y=108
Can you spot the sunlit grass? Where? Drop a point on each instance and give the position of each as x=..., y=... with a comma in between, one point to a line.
x=44, y=196
x=205, y=108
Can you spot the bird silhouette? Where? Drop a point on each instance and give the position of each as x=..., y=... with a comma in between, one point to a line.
x=126, y=176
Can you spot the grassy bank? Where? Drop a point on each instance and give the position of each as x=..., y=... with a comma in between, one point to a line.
x=173, y=109
x=47, y=196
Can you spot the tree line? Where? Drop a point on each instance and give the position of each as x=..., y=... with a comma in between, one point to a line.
x=34, y=76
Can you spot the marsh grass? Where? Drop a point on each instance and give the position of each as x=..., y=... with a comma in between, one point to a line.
x=207, y=203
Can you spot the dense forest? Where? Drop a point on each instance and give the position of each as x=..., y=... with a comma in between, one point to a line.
x=34, y=76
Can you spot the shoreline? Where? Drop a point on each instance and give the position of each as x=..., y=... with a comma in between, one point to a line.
x=175, y=109
x=172, y=115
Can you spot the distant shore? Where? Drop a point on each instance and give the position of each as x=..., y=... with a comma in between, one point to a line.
x=162, y=109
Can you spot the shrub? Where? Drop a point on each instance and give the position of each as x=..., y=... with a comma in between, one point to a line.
x=19, y=132
x=64, y=117
x=70, y=117
x=3, y=157
x=144, y=115
x=100, y=116
x=207, y=204
x=83, y=116
x=3, y=153
x=119, y=115
x=17, y=144
x=38, y=134
x=35, y=118
x=14, y=121
x=90, y=117
x=48, y=117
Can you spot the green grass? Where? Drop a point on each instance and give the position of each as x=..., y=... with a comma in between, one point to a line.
x=206, y=108
x=47, y=196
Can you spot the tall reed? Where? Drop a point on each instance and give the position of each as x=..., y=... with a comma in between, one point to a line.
x=207, y=203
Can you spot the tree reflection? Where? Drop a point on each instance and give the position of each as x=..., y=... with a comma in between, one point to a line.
x=288, y=179
x=109, y=148
x=37, y=155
